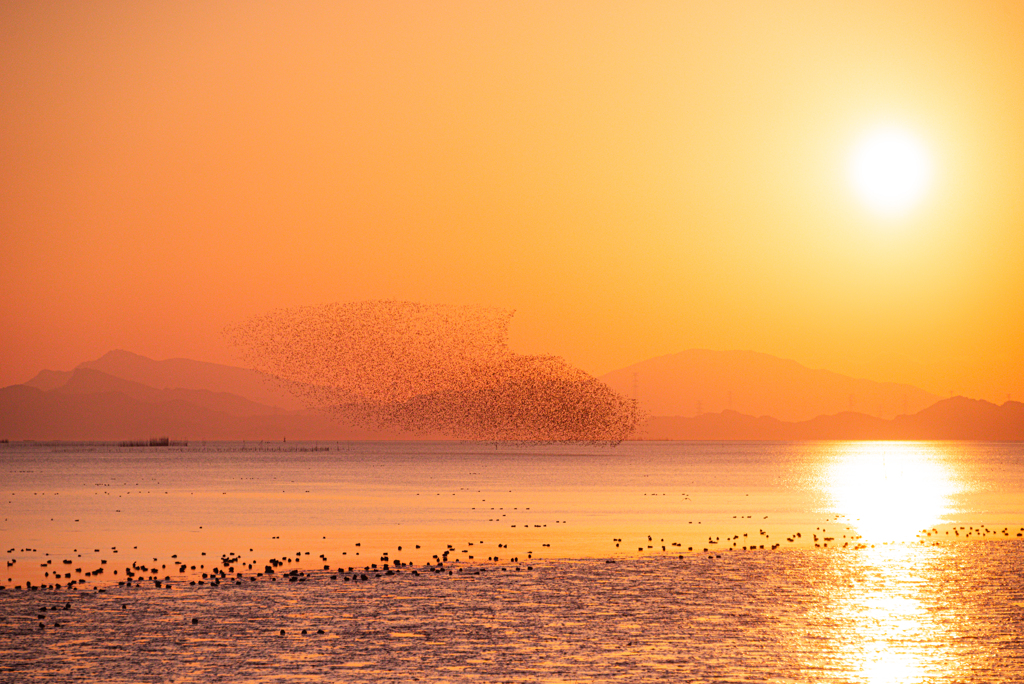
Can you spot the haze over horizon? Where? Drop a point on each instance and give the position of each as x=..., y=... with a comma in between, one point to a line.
x=124, y=396
x=634, y=183
x=688, y=383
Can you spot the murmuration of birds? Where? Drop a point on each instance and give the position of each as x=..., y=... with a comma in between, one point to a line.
x=430, y=369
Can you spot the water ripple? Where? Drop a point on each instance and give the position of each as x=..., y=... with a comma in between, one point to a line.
x=903, y=614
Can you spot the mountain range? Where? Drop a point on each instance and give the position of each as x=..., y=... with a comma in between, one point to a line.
x=956, y=418
x=694, y=395
x=177, y=374
x=702, y=381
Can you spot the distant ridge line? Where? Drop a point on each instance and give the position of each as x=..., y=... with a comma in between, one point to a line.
x=957, y=419
x=91, y=404
x=699, y=381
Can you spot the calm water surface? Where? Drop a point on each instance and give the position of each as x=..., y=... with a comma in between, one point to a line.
x=866, y=562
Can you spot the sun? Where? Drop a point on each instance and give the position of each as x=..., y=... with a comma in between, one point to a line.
x=890, y=170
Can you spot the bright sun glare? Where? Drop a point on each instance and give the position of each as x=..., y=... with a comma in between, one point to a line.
x=890, y=170
x=890, y=491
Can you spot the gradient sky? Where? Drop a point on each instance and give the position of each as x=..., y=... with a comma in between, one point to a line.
x=635, y=179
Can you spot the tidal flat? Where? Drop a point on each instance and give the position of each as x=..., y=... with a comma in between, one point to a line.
x=459, y=562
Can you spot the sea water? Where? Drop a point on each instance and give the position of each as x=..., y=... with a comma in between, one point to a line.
x=826, y=561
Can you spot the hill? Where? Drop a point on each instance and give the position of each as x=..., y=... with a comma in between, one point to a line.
x=91, y=405
x=138, y=398
x=701, y=381
x=178, y=374
x=957, y=418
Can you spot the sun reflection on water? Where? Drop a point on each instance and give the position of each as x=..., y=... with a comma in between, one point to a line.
x=890, y=491
x=885, y=632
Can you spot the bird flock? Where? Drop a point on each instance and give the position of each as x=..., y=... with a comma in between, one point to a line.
x=430, y=369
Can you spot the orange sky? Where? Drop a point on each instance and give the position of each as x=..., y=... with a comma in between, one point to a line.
x=635, y=179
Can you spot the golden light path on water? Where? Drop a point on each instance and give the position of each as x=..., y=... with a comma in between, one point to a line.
x=889, y=493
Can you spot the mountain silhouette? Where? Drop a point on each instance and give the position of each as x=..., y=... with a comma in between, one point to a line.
x=95, y=406
x=185, y=399
x=702, y=381
x=957, y=418
x=88, y=381
x=178, y=374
